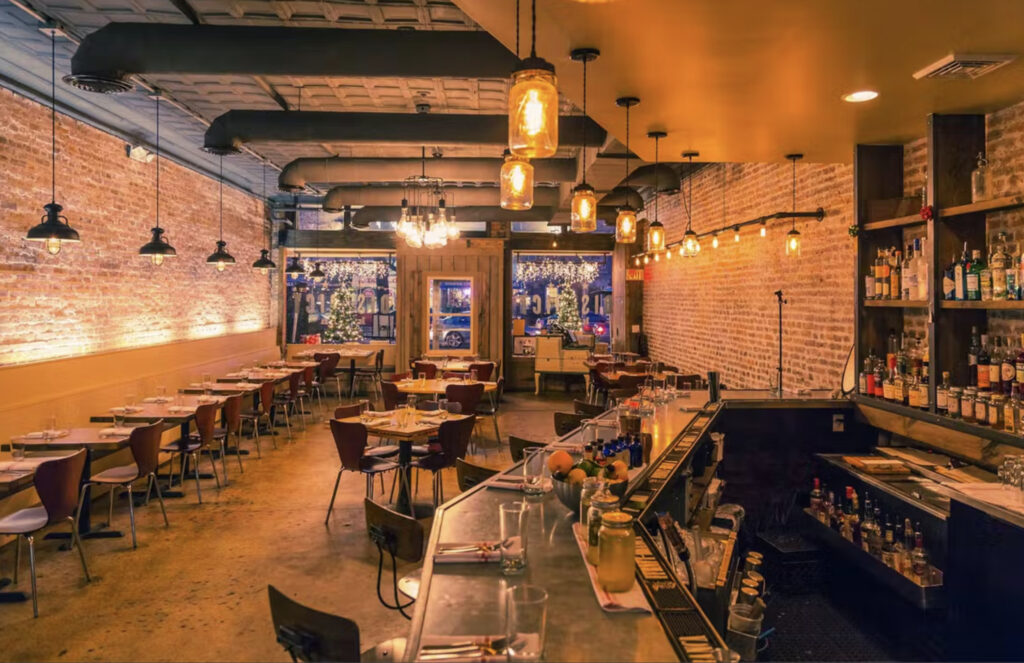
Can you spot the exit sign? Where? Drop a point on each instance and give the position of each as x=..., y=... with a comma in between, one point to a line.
x=634, y=275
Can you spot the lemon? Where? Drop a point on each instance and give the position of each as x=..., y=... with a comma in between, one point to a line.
x=576, y=475
x=560, y=462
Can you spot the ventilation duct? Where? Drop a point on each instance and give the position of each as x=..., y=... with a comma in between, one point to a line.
x=964, y=66
x=458, y=198
x=473, y=214
x=622, y=195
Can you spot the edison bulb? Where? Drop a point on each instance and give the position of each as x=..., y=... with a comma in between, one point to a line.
x=668, y=254
x=625, y=225
x=157, y=259
x=53, y=245
x=533, y=113
x=736, y=235
x=793, y=243
x=657, y=257
x=516, y=179
x=221, y=265
x=764, y=230
x=263, y=271
x=647, y=259
x=583, y=209
x=714, y=241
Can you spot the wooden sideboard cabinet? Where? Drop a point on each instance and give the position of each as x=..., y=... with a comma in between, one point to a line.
x=553, y=358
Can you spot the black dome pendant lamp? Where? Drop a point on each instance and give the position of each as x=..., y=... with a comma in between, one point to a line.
x=264, y=263
x=53, y=229
x=157, y=248
x=221, y=258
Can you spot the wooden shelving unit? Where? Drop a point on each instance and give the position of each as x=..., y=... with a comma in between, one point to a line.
x=992, y=305
x=898, y=303
x=898, y=222
x=994, y=205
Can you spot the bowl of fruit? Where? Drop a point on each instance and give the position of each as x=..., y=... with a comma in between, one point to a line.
x=568, y=473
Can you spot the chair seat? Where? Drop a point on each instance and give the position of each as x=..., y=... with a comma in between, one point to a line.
x=188, y=447
x=485, y=409
x=421, y=450
x=432, y=462
x=117, y=475
x=383, y=451
x=220, y=432
x=24, y=521
x=372, y=465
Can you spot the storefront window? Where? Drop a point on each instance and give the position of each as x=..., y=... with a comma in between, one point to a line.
x=451, y=316
x=355, y=301
x=554, y=291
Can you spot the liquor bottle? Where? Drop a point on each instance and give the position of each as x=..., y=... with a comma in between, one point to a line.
x=907, y=268
x=897, y=545
x=984, y=378
x=816, y=497
x=1019, y=362
x=925, y=374
x=868, y=527
x=995, y=367
x=949, y=280
x=853, y=520
x=960, y=275
x=879, y=378
x=886, y=266
x=828, y=508
x=892, y=347
x=895, y=271
x=974, y=269
x=835, y=514
x=921, y=270
x=907, y=549
x=869, y=281
x=942, y=394
x=912, y=389
x=1007, y=367
x=877, y=535
x=866, y=380
x=985, y=278
x=998, y=262
x=919, y=558
x=846, y=526
x=973, y=350
x=980, y=180
x=1012, y=276
x=888, y=546
x=1011, y=413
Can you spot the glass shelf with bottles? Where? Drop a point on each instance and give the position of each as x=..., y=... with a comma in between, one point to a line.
x=901, y=376
x=898, y=279
x=979, y=281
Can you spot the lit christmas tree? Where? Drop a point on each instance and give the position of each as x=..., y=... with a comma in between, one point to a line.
x=569, y=309
x=343, y=324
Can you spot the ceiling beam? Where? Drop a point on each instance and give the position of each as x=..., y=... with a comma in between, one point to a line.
x=457, y=197
x=472, y=214
x=300, y=173
x=230, y=131
x=115, y=52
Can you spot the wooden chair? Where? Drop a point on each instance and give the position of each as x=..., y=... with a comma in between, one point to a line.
x=350, y=441
x=56, y=482
x=518, y=445
x=401, y=537
x=196, y=444
x=260, y=411
x=428, y=368
x=567, y=422
x=232, y=426
x=392, y=396
x=484, y=370
x=489, y=407
x=587, y=409
x=630, y=381
x=453, y=437
x=353, y=410
x=398, y=377
x=469, y=475
x=375, y=374
x=329, y=368
x=144, y=442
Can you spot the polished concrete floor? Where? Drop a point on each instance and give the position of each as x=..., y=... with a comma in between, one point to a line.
x=197, y=591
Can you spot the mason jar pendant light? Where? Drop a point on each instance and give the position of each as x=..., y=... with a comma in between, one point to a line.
x=691, y=243
x=625, y=222
x=656, y=231
x=533, y=104
x=157, y=248
x=516, y=183
x=53, y=229
x=264, y=263
x=583, y=210
x=793, y=236
x=220, y=258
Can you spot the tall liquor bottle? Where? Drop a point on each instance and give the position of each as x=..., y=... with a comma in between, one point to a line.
x=816, y=498
x=1019, y=362
x=908, y=263
x=1007, y=367
x=948, y=280
x=973, y=350
x=868, y=528
x=879, y=378
x=921, y=270
x=995, y=367
x=891, y=349
x=974, y=269
x=907, y=549
x=895, y=273
x=998, y=262
x=884, y=273
x=984, y=379
x=919, y=558
x=888, y=545
x=942, y=394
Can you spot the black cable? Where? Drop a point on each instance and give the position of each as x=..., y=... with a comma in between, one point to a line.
x=584, y=119
x=158, y=160
x=627, y=145
x=221, y=197
x=398, y=605
x=53, y=115
x=533, y=32
x=517, y=29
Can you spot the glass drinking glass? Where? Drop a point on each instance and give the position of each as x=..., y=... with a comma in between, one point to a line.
x=773, y=382
x=17, y=452
x=422, y=376
x=51, y=426
x=533, y=471
x=472, y=375
x=512, y=523
x=527, y=610
x=118, y=416
x=161, y=392
x=129, y=400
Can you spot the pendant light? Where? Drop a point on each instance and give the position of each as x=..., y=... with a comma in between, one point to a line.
x=516, y=181
x=53, y=228
x=221, y=258
x=793, y=236
x=625, y=222
x=691, y=243
x=583, y=210
x=317, y=275
x=656, y=231
x=264, y=263
x=533, y=104
x=294, y=268
x=157, y=248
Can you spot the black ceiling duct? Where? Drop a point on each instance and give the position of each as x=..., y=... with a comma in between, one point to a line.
x=474, y=214
x=235, y=128
x=300, y=173
x=106, y=59
x=662, y=174
x=622, y=195
x=458, y=198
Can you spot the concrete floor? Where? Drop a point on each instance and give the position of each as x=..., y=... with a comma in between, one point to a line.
x=197, y=591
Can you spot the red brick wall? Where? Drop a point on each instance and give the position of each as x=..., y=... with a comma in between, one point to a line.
x=100, y=294
x=717, y=311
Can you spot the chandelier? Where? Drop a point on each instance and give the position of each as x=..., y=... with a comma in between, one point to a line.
x=426, y=219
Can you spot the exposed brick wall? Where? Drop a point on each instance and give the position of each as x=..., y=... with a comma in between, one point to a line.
x=100, y=295
x=717, y=311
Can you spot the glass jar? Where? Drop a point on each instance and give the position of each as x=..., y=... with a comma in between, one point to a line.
x=981, y=407
x=617, y=567
x=591, y=486
x=953, y=402
x=967, y=404
x=533, y=111
x=600, y=504
x=995, y=411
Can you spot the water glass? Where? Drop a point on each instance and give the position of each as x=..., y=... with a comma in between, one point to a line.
x=17, y=452
x=51, y=425
x=472, y=375
x=161, y=392
x=422, y=376
x=534, y=461
x=129, y=400
x=527, y=610
x=512, y=522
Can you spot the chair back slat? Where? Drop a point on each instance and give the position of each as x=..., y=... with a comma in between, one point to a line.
x=233, y=413
x=350, y=440
x=267, y=395
x=466, y=395
x=307, y=377
x=145, y=444
x=428, y=367
x=566, y=422
x=406, y=530
x=350, y=410
x=587, y=409
x=311, y=635
x=329, y=360
x=293, y=384
x=484, y=370
x=57, y=482
x=518, y=445
x=454, y=437
x=470, y=475
x=206, y=422
x=392, y=396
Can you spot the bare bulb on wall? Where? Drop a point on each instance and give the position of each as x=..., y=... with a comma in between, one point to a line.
x=157, y=259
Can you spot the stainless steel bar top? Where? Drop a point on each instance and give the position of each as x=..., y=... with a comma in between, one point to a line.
x=468, y=599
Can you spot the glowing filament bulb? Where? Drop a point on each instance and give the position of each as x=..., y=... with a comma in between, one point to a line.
x=157, y=259
x=518, y=179
x=714, y=241
x=533, y=114
x=220, y=266
x=764, y=229
x=53, y=245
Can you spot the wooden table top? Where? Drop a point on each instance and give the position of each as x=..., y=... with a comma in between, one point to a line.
x=426, y=423
x=345, y=354
x=258, y=375
x=436, y=386
x=169, y=412
x=222, y=388
x=291, y=364
x=95, y=437
x=18, y=474
x=613, y=376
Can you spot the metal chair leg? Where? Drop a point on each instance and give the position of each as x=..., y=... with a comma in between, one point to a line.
x=330, y=507
x=32, y=568
x=110, y=511
x=17, y=557
x=256, y=438
x=213, y=464
x=224, y=456
x=497, y=435
x=369, y=486
x=238, y=453
x=131, y=516
x=195, y=468
x=76, y=539
x=160, y=498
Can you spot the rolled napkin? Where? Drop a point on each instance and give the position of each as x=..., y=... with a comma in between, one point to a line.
x=182, y=408
x=503, y=482
x=125, y=409
x=480, y=552
x=46, y=434
x=157, y=399
x=630, y=601
x=116, y=431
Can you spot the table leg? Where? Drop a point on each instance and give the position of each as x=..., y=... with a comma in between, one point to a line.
x=85, y=529
x=405, y=476
x=169, y=492
x=11, y=597
x=352, y=378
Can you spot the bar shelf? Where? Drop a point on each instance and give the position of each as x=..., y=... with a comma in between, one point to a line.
x=898, y=222
x=990, y=305
x=898, y=303
x=994, y=205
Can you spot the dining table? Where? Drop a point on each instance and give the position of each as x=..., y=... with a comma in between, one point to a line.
x=422, y=425
x=352, y=354
x=94, y=440
x=438, y=386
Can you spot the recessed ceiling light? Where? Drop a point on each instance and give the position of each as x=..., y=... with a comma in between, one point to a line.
x=859, y=96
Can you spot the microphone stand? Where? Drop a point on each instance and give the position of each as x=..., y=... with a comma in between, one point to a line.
x=778, y=295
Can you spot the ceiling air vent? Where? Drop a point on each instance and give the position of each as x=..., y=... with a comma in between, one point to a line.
x=964, y=65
